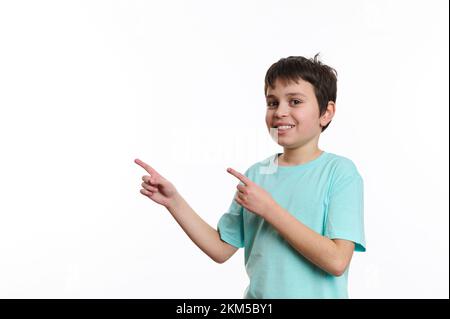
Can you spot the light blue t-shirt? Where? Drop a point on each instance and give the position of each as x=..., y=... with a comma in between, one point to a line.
x=325, y=194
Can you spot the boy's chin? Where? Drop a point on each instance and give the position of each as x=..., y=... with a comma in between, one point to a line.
x=284, y=144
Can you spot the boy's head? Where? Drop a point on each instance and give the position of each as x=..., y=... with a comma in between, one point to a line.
x=311, y=111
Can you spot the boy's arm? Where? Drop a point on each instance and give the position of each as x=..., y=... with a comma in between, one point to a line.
x=332, y=255
x=200, y=232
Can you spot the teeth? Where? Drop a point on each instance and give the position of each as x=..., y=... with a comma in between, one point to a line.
x=285, y=127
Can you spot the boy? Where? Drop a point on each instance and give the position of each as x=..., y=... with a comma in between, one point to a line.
x=299, y=214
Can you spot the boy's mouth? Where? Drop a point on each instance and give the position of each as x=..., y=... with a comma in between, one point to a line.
x=282, y=129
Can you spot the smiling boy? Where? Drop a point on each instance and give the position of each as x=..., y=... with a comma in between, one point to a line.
x=299, y=223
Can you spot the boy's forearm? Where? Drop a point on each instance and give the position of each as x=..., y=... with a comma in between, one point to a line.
x=200, y=232
x=318, y=249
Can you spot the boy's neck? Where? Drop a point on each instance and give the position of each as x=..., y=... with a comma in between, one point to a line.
x=298, y=156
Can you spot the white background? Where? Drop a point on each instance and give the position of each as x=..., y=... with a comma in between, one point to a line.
x=88, y=86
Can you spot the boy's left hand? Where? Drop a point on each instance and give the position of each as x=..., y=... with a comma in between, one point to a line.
x=251, y=196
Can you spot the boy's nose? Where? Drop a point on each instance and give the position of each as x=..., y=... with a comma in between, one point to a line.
x=282, y=110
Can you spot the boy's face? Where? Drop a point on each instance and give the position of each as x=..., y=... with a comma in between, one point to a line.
x=294, y=104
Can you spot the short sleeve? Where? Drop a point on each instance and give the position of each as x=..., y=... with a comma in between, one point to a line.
x=231, y=224
x=345, y=218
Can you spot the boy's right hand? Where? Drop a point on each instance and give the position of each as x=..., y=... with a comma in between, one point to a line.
x=156, y=187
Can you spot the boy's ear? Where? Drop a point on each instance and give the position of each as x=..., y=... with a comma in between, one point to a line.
x=329, y=113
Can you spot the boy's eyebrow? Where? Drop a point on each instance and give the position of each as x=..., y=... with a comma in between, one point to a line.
x=288, y=94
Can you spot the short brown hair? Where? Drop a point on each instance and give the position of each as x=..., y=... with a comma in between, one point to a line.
x=322, y=77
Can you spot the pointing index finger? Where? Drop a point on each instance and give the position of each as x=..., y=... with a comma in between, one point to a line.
x=244, y=179
x=145, y=166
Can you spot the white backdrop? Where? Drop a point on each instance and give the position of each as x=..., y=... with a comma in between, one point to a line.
x=88, y=86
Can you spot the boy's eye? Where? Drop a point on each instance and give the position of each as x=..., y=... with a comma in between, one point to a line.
x=272, y=104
